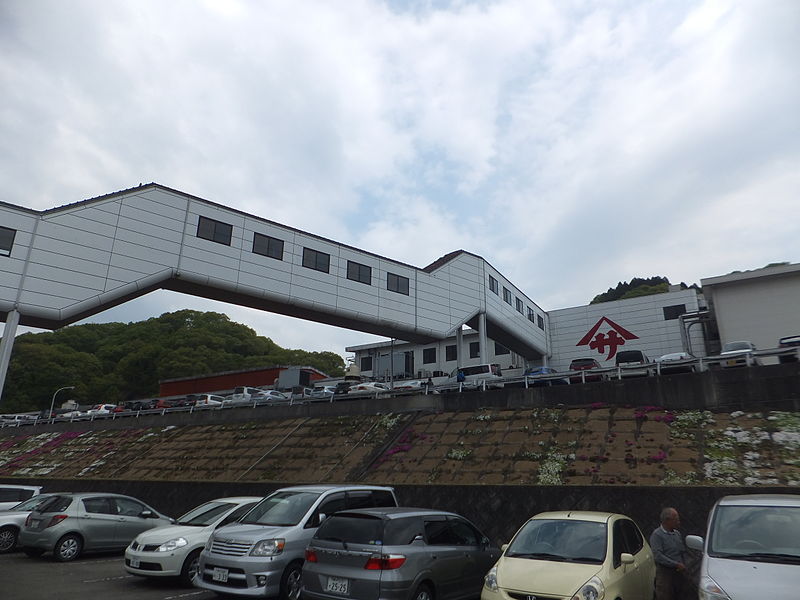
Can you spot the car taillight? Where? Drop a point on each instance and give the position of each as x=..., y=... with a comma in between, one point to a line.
x=56, y=520
x=385, y=562
x=311, y=556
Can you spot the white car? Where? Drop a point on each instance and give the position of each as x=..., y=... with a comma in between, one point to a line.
x=103, y=409
x=750, y=549
x=739, y=354
x=12, y=494
x=369, y=386
x=173, y=551
x=273, y=397
x=208, y=401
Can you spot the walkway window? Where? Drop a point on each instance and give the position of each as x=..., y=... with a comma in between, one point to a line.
x=215, y=231
x=319, y=261
x=428, y=356
x=450, y=353
x=359, y=272
x=366, y=363
x=507, y=295
x=540, y=321
x=531, y=315
x=474, y=349
x=493, y=286
x=520, y=307
x=397, y=283
x=267, y=246
x=6, y=240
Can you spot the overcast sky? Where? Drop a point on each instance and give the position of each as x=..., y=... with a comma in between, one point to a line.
x=571, y=144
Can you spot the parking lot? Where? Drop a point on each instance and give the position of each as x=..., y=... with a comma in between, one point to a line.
x=98, y=576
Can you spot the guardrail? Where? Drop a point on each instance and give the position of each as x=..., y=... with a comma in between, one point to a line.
x=656, y=368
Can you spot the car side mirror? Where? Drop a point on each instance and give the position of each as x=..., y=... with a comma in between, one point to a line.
x=695, y=542
x=418, y=539
x=147, y=514
x=503, y=547
x=322, y=517
x=626, y=558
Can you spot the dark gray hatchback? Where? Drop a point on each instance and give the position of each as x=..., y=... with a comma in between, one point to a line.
x=397, y=554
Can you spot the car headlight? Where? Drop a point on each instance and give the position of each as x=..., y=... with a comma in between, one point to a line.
x=490, y=581
x=271, y=547
x=172, y=545
x=709, y=590
x=591, y=590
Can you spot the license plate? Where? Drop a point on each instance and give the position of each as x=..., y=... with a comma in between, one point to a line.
x=135, y=563
x=732, y=363
x=220, y=575
x=338, y=585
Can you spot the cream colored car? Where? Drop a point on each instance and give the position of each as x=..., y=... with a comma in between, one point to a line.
x=574, y=555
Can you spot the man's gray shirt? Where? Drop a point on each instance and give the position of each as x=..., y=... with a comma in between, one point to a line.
x=668, y=547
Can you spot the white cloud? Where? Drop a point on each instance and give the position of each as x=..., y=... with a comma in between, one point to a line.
x=571, y=145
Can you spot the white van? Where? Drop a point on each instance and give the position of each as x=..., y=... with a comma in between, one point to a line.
x=476, y=375
x=262, y=555
x=750, y=549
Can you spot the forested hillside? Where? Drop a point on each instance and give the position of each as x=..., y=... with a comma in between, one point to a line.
x=113, y=362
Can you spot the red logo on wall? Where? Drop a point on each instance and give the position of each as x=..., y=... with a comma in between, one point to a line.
x=614, y=337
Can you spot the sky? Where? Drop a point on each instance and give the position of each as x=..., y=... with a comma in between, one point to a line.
x=571, y=144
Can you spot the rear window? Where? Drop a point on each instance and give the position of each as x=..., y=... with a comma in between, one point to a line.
x=14, y=494
x=55, y=504
x=352, y=529
x=630, y=356
x=581, y=362
x=369, y=529
x=477, y=370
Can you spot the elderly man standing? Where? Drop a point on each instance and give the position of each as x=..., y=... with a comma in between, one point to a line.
x=669, y=551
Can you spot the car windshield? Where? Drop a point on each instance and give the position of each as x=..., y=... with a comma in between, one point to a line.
x=767, y=533
x=281, y=509
x=30, y=503
x=560, y=540
x=205, y=514
x=730, y=346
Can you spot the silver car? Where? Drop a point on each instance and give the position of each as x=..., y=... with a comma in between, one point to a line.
x=12, y=520
x=751, y=549
x=69, y=524
x=397, y=554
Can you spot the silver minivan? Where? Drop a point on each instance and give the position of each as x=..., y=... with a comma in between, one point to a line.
x=751, y=549
x=262, y=555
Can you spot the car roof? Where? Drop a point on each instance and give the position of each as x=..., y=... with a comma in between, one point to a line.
x=326, y=488
x=579, y=515
x=238, y=499
x=397, y=512
x=20, y=487
x=792, y=500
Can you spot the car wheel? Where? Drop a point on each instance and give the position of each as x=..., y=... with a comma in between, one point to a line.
x=68, y=548
x=290, y=582
x=189, y=569
x=423, y=592
x=33, y=552
x=8, y=539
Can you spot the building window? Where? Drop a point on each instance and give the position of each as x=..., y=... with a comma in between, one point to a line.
x=540, y=321
x=493, y=285
x=531, y=315
x=450, y=353
x=428, y=356
x=673, y=312
x=267, y=246
x=499, y=349
x=358, y=272
x=397, y=283
x=319, y=261
x=216, y=231
x=474, y=349
x=507, y=295
x=520, y=307
x=366, y=363
x=6, y=240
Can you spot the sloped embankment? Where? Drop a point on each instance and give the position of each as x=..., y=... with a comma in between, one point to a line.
x=548, y=446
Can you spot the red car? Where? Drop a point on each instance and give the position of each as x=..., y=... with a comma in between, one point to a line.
x=584, y=364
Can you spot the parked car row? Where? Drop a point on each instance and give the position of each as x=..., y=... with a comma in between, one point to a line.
x=329, y=542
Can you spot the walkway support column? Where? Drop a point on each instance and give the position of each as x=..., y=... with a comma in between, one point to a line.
x=482, y=337
x=459, y=347
x=6, y=344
